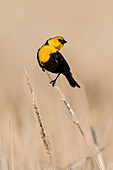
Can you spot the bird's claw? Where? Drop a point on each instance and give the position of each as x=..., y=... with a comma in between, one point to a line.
x=43, y=69
x=52, y=82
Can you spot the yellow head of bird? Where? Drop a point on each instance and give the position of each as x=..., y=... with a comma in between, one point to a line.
x=57, y=42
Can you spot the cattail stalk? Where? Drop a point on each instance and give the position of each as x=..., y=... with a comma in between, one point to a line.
x=38, y=115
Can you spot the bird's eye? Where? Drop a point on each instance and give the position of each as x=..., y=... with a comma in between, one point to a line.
x=62, y=41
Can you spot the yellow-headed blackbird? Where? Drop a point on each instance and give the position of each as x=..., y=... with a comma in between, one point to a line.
x=51, y=59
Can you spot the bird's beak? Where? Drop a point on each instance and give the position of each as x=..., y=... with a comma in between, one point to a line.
x=64, y=41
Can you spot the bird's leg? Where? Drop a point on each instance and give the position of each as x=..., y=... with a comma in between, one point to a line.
x=53, y=81
x=43, y=69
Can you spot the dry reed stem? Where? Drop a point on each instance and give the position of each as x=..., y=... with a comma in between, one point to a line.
x=74, y=118
x=38, y=115
x=99, y=156
x=76, y=165
x=8, y=168
x=11, y=146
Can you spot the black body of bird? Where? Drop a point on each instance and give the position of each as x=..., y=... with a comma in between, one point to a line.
x=56, y=63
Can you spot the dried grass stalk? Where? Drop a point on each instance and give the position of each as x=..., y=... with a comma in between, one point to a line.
x=99, y=156
x=74, y=118
x=76, y=165
x=38, y=115
x=8, y=168
x=11, y=147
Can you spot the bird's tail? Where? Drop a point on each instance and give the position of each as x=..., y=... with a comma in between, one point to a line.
x=71, y=81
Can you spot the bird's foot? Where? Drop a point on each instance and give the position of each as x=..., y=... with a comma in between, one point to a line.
x=43, y=69
x=53, y=82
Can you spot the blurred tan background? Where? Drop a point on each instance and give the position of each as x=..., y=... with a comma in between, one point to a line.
x=88, y=28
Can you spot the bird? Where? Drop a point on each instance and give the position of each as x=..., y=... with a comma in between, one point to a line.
x=50, y=59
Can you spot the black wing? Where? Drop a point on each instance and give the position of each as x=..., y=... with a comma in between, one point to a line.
x=57, y=64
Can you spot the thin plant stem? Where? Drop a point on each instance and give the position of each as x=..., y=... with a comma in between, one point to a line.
x=11, y=146
x=74, y=118
x=8, y=168
x=76, y=165
x=96, y=145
